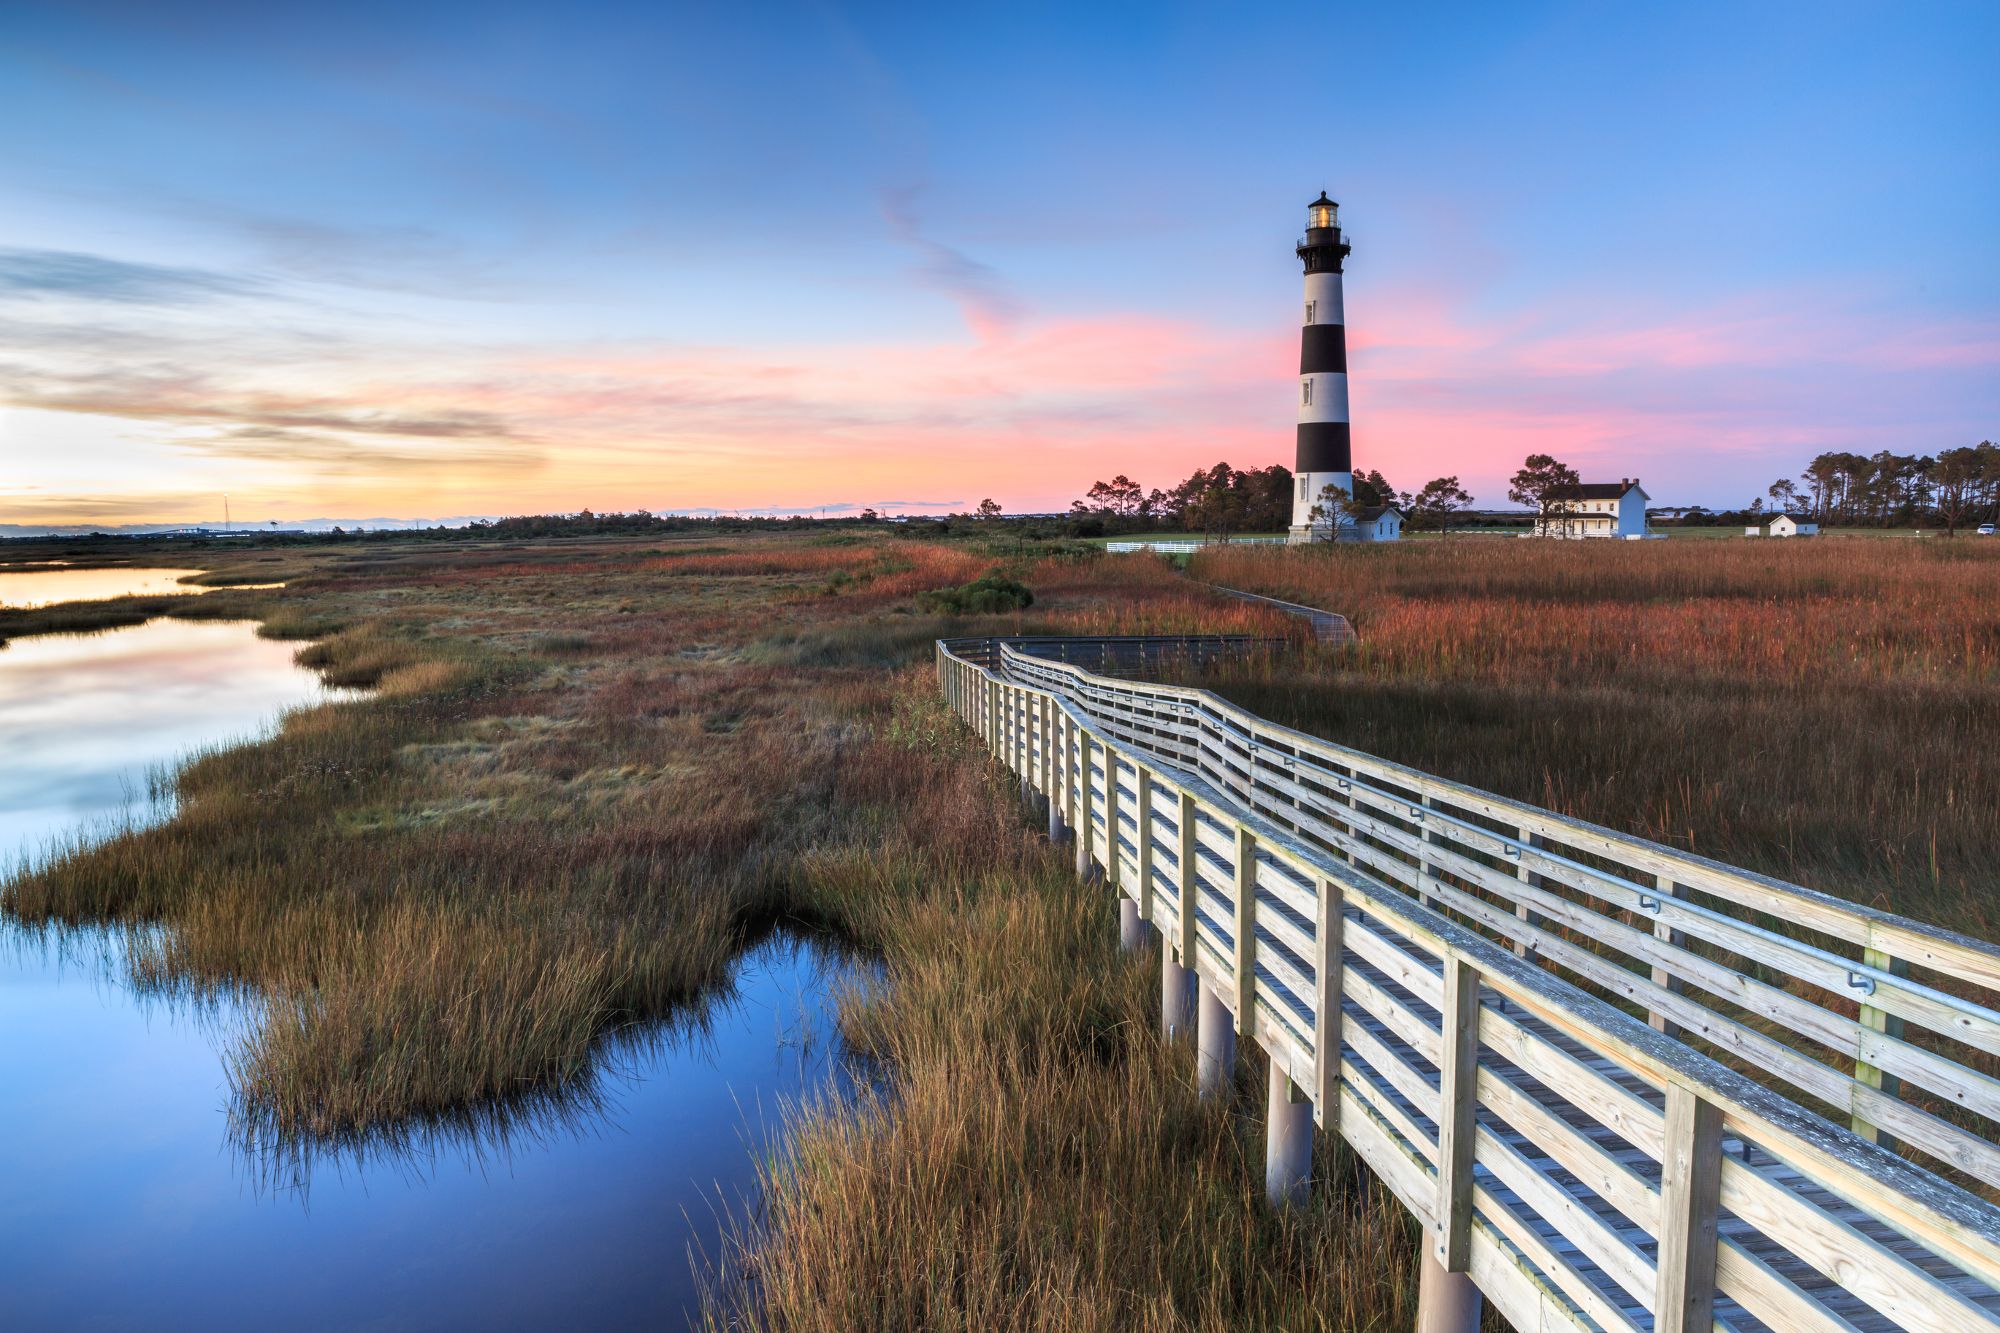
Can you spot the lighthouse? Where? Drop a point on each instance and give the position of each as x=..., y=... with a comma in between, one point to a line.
x=1324, y=454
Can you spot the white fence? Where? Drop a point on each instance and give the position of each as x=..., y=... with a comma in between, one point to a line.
x=1188, y=545
x=1525, y=1024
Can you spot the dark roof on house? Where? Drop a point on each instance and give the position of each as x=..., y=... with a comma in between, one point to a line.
x=1369, y=513
x=1593, y=490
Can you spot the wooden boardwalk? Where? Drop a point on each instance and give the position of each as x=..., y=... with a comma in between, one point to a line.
x=1327, y=626
x=1621, y=1086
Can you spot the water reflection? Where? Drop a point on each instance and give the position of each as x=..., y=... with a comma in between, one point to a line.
x=704, y=1032
x=129, y=1195
x=43, y=587
x=86, y=721
x=126, y=1205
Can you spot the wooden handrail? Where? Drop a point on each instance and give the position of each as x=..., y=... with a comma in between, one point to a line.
x=1537, y=880
x=1584, y=1166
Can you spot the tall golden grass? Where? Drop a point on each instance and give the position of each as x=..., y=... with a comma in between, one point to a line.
x=1036, y=1157
x=1825, y=711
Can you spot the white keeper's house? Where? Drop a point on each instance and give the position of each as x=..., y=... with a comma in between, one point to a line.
x=1595, y=509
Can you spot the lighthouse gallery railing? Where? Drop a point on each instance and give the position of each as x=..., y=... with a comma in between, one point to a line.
x=1578, y=1157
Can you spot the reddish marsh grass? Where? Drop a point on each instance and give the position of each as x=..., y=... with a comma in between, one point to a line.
x=1825, y=711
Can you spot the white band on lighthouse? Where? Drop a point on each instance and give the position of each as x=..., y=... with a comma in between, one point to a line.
x=1323, y=300
x=1323, y=397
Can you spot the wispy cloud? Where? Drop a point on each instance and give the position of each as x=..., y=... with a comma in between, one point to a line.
x=178, y=395
x=1701, y=402
x=337, y=454
x=42, y=274
x=991, y=308
x=388, y=258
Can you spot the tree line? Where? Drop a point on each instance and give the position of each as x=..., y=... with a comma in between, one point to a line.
x=1222, y=500
x=1953, y=488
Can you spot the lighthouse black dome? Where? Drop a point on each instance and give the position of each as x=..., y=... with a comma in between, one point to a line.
x=1322, y=202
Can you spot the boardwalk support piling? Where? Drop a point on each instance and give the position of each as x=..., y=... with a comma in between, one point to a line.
x=1131, y=930
x=1087, y=868
x=1215, y=1045
x=1176, y=995
x=1447, y=1302
x=1288, y=1139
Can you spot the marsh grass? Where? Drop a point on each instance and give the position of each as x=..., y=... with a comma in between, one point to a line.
x=221, y=603
x=584, y=778
x=1827, y=712
x=1037, y=1157
x=86, y=617
x=574, y=789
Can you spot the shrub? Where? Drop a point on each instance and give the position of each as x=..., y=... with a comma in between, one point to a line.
x=988, y=594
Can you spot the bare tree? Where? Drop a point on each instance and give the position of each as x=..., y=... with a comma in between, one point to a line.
x=1540, y=485
x=1332, y=510
x=1438, y=501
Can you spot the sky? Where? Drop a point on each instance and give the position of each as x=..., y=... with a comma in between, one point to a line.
x=437, y=260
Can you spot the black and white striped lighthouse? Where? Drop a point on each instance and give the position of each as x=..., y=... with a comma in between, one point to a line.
x=1325, y=455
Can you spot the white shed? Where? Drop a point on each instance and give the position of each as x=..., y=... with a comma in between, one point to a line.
x=1784, y=525
x=1374, y=523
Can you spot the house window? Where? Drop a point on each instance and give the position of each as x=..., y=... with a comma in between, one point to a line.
x=1312, y=308
x=1307, y=389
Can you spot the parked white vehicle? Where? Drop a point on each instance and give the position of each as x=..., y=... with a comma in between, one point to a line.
x=1986, y=529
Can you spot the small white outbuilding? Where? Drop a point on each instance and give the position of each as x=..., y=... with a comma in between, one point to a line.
x=1787, y=525
x=1374, y=523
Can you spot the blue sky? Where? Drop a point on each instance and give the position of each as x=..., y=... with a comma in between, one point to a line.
x=376, y=259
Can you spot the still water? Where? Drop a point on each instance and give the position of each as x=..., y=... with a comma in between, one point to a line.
x=124, y=1199
x=53, y=583
x=86, y=719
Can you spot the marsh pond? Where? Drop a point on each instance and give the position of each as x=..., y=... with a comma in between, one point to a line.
x=129, y=1200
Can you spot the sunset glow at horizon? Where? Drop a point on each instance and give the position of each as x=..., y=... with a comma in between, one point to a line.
x=371, y=262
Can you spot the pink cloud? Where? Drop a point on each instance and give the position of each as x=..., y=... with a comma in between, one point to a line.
x=1701, y=403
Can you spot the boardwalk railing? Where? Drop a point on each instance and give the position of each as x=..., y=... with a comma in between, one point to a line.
x=1127, y=655
x=1528, y=1022
x=1327, y=626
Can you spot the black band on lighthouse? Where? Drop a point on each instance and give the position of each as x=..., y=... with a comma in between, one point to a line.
x=1323, y=349
x=1324, y=447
